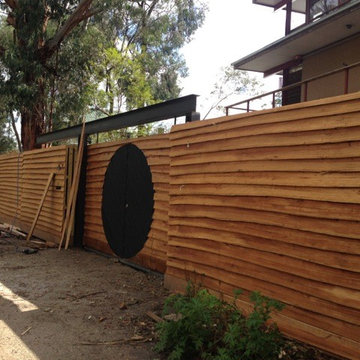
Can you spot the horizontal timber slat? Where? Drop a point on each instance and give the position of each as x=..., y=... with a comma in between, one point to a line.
x=231, y=214
x=270, y=201
x=346, y=195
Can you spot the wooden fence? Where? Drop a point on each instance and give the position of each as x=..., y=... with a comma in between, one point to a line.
x=156, y=150
x=270, y=201
x=22, y=181
x=266, y=201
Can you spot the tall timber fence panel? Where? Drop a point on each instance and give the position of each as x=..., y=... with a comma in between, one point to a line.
x=23, y=179
x=270, y=201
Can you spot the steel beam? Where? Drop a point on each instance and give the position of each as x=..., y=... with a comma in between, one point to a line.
x=184, y=106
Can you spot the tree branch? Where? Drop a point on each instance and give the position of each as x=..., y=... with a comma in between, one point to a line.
x=12, y=4
x=13, y=124
x=81, y=13
x=97, y=108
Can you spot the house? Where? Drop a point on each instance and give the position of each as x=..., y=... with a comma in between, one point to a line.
x=318, y=57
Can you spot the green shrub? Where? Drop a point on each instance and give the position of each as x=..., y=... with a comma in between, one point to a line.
x=204, y=327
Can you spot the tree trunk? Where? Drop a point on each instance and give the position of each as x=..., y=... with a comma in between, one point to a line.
x=32, y=125
x=33, y=117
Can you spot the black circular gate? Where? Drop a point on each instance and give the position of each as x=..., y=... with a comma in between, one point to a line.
x=128, y=201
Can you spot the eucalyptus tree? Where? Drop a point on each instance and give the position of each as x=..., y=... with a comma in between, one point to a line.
x=56, y=55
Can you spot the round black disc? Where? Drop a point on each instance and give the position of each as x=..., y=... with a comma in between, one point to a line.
x=128, y=201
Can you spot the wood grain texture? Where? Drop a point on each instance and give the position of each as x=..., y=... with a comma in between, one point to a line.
x=270, y=201
x=23, y=178
x=156, y=151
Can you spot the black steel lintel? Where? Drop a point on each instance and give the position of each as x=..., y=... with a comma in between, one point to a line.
x=183, y=106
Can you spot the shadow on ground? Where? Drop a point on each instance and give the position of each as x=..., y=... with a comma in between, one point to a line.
x=74, y=305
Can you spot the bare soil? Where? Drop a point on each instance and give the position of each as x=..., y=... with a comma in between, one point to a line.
x=78, y=305
x=74, y=304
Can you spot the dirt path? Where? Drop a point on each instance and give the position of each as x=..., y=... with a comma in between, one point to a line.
x=74, y=305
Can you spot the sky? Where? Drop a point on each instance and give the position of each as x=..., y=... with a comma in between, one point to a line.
x=232, y=29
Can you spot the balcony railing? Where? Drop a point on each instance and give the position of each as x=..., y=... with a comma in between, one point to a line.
x=304, y=84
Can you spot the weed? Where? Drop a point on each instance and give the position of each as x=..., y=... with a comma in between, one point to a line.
x=210, y=329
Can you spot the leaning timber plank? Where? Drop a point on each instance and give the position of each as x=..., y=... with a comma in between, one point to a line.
x=45, y=229
x=313, y=209
x=33, y=175
x=44, y=234
x=318, y=151
x=55, y=197
x=301, y=268
x=345, y=195
x=342, y=228
x=51, y=218
x=301, y=125
x=51, y=176
x=185, y=235
x=70, y=209
x=37, y=184
x=290, y=236
x=264, y=141
x=33, y=188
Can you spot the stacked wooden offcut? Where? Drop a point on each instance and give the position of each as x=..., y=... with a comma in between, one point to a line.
x=156, y=150
x=270, y=201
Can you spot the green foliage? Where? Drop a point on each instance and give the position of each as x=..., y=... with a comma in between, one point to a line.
x=124, y=56
x=229, y=85
x=7, y=143
x=208, y=328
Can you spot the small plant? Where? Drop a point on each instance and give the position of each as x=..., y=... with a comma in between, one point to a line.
x=204, y=327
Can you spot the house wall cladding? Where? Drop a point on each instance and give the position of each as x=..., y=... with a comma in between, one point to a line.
x=23, y=179
x=156, y=151
x=270, y=201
